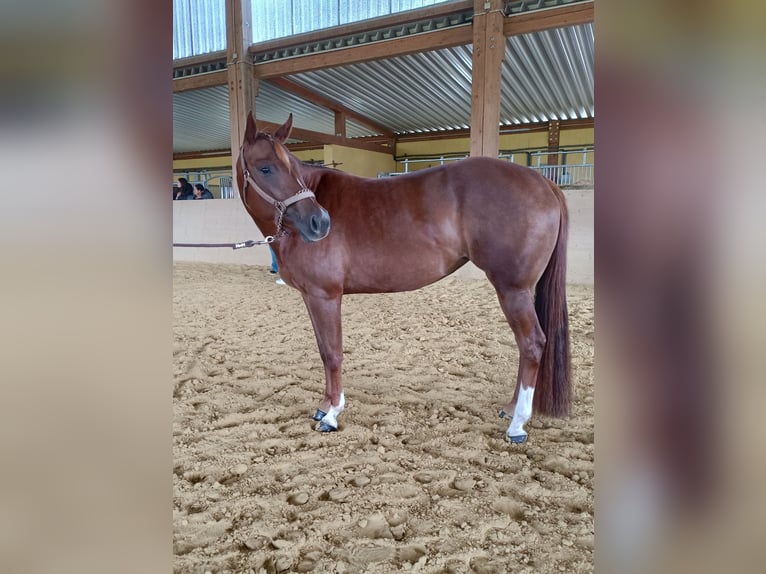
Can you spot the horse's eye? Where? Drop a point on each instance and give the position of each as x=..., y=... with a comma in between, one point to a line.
x=266, y=170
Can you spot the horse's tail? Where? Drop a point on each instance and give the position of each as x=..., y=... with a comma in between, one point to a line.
x=553, y=390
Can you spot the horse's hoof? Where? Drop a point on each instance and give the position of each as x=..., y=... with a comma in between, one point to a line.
x=518, y=439
x=319, y=415
x=504, y=415
x=324, y=427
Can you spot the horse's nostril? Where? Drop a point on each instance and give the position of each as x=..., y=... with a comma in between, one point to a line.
x=324, y=223
x=315, y=223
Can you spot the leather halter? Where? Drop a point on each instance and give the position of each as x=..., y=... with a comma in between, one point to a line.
x=281, y=206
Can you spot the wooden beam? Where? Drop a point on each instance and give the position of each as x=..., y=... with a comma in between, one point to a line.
x=303, y=146
x=504, y=130
x=355, y=142
x=398, y=19
x=242, y=85
x=326, y=102
x=445, y=38
x=488, y=54
x=208, y=58
x=322, y=138
x=197, y=81
x=539, y=20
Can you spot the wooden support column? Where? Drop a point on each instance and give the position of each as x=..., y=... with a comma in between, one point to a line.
x=488, y=52
x=553, y=142
x=340, y=124
x=242, y=84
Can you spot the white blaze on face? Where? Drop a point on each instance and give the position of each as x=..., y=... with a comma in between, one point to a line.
x=522, y=413
x=331, y=418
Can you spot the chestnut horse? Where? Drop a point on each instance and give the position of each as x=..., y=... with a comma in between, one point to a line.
x=335, y=233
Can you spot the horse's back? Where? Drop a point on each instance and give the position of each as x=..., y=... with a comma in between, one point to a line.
x=404, y=232
x=475, y=180
x=487, y=178
x=478, y=184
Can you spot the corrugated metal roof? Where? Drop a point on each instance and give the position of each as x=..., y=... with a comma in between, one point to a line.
x=548, y=75
x=414, y=93
x=199, y=27
x=273, y=20
x=201, y=117
x=273, y=104
x=545, y=75
x=201, y=120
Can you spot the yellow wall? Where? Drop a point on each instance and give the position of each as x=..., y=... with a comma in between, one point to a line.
x=222, y=162
x=523, y=140
x=582, y=136
x=576, y=137
x=358, y=161
x=435, y=147
x=310, y=155
x=457, y=145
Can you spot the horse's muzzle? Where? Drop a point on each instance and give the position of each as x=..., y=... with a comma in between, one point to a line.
x=315, y=226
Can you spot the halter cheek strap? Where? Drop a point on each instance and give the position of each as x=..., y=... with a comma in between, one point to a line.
x=281, y=206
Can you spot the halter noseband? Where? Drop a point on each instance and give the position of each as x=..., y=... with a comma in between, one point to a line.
x=281, y=206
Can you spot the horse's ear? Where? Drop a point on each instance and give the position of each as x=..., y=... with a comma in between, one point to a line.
x=251, y=130
x=284, y=130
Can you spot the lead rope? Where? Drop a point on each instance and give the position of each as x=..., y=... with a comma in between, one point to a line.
x=249, y=243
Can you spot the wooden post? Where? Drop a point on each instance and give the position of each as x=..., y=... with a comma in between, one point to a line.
x=242, y=83
x=488, y=53
x=340, y=124
x=553, y=142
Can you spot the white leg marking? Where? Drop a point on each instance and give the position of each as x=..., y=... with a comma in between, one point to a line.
x=522, y=413
x=331, y=418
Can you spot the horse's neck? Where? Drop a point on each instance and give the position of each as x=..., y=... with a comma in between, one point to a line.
x=313, y=175
x=320, y=177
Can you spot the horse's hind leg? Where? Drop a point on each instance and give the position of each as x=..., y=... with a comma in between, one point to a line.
x=326, y=319
x=519, y=308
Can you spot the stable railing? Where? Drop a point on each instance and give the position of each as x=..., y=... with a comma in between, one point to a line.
x=573, y=167
x=441, y=160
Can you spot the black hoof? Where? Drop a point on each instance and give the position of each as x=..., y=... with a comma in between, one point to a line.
x=319, y=415
x=504, y=415
x=518, y=439
x=324, y=427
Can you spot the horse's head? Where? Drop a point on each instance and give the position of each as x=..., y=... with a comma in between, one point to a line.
x=269, y=178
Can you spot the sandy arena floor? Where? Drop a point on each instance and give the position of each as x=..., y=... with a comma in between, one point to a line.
x=419, y=478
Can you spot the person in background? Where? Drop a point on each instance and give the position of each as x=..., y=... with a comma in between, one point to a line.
x=201, y=192
x=185, y=191
x=274, y=267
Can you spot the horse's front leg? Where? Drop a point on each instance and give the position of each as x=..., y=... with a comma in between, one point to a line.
x=325, y=317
